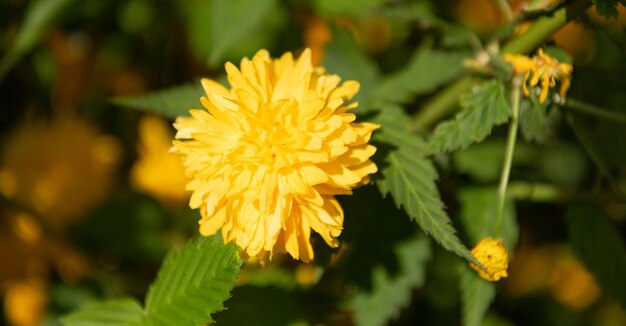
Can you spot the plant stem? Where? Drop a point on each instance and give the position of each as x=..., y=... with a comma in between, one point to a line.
x=446, y=101
x=510, y=148
x=597, y=111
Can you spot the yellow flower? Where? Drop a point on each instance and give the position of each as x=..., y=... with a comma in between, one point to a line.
x=157, y=171
x=572, y=285
x=25, y=303
x=541, y=68
x=60, y=168
x=492, y=254
x=268, y=156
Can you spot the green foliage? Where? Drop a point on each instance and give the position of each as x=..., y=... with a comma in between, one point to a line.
x=194, y=283
x=390, y=293
x=559, y=163
x=479, y=214
x=537, y=121
x=410, y=178
x=191, y=285
x=476, y=296
x=219, y=27
x=598, y=245
x=607, y=8
x=39, y=15
x=485, y=107
x=427, y=70
x=344, y=58
x=107, y=313
x=346, y=7
x=170, y=102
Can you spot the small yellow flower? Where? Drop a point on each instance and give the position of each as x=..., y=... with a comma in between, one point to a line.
x=267, y=156
x=543, y=69
x=60, y=168
x=157, y=171
x=492, y=254
x=572, y=285
x=25, y=303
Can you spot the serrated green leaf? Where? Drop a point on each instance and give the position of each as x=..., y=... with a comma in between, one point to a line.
x=482, y=109
x=410, y=178
x=476, y=297
x=390, y=294
x=427, y=70
x=598, y=245
x=606, y=8
x=117, y=312
x=194, y=283
x=537, y=121
x=479, y=212
x=170, y=102
x=39, y=15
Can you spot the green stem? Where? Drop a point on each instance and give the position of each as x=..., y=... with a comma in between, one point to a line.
x=510, y=148
x=597, y=111
x=446, y=101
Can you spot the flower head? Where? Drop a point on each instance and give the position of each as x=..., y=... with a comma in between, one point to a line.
x=541, y=68
x=267, y=156
x=45, y=165
x=492, y=254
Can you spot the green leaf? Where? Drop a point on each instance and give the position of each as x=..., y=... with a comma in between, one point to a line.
x=39, y=15
x=106, y=313
x=482, y=109
x=170, y=102
x=333, y=8
x=389, y=293
x=427, y=70
x=344, y=58
x=410, y=178
x=221, y=30
x=606, y=8
x=479, y=214
x=537, y=121
x=194, y=283
x=476, y=296
x=599, y=246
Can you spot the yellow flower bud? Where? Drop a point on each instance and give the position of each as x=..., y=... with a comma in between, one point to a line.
x=492, y=254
